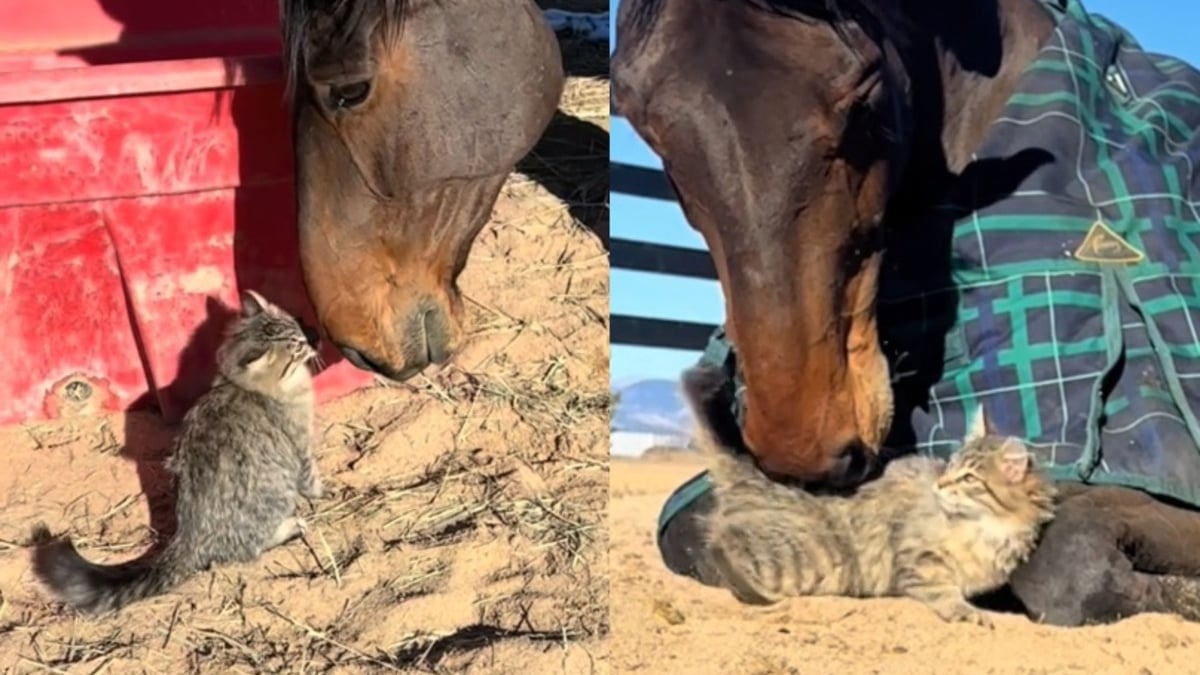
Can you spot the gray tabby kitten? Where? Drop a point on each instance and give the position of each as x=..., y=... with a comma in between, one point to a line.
x=938, y=532
x=241, y=459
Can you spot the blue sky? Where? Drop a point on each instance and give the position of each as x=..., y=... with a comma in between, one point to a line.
x=1166, y=26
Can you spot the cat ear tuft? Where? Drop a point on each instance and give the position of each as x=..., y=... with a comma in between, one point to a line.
x=1015, y=460
x=253, y=304
x=977, y=427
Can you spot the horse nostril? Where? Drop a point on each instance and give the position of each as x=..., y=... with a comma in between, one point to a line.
x=853, y=466
x=359, y=361
x=437, y=338
x=311, y=335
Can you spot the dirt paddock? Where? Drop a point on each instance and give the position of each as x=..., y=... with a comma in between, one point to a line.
x=465, y=526
x=668, y=624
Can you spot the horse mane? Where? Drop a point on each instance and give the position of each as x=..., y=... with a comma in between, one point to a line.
x=881, y=19
x=349, y=17
x=642, y=13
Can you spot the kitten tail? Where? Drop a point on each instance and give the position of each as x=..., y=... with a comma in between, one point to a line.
x=717, y=434
x=95, y=589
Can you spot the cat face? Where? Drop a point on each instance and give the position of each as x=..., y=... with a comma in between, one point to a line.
x=989, y=475
x=267, y=346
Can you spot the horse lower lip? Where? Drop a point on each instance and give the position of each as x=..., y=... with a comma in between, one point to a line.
x=400, y=375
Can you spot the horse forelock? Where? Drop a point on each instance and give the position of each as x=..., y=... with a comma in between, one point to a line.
x=882, y=20
x=641, y=14
x=349, y=18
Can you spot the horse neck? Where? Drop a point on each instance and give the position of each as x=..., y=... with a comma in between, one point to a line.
x=964, y=70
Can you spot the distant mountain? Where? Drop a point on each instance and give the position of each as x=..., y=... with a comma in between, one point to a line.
x=652, y=406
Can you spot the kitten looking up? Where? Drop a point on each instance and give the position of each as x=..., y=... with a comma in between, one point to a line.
x=240, y=461
x=934, y=531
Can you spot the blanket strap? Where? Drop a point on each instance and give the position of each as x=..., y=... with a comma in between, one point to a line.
x=719, y=352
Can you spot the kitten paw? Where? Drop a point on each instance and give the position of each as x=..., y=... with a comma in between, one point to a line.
x=290, y=529
x=315, y=489
x=963, y=612
x=979, y=618
x=745, y=588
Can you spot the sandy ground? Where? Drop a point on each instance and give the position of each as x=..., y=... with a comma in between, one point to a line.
x=464, y=530
x=663, y=623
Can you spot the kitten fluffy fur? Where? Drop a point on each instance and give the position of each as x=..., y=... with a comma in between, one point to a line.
x=938, y=532
x=239, y=463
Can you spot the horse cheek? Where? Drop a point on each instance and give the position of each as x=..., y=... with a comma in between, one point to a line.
x=872, y=395
x=870, y=384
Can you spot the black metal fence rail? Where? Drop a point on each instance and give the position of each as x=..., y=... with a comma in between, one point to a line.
x=641, y=256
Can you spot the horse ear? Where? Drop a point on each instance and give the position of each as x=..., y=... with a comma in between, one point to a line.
x=253, y=304
x=977, y=427
x=1015, y=460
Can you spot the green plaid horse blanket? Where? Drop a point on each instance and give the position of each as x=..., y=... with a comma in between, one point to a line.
x=1070, y=307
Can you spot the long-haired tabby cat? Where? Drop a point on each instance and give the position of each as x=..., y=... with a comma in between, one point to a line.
x=937, y=532
x=241, y=459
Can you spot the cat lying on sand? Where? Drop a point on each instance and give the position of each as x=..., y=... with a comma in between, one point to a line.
x=240, y=461
x=938, y=532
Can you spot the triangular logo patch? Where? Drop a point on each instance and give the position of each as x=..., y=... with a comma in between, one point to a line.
x=1102, y=245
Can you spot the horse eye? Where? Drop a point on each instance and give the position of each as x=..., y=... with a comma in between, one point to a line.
x=345, y=96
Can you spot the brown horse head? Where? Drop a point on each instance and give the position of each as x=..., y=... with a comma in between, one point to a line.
x=408, y=117
x=788, y=129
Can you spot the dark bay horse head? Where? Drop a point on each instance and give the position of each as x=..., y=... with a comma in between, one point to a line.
x=408, y=116
x=791, y=130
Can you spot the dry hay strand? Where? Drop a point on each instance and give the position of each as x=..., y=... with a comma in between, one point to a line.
x=428, y=652
x=555, y=527
x=57, y=656
x=550, y=402
x=587, y=98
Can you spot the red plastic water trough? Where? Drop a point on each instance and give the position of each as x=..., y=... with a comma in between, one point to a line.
x=145, y=172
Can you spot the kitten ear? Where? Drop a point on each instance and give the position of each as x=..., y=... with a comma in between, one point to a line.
x=253, y=304
x=977, y=427
x=1015, y=460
